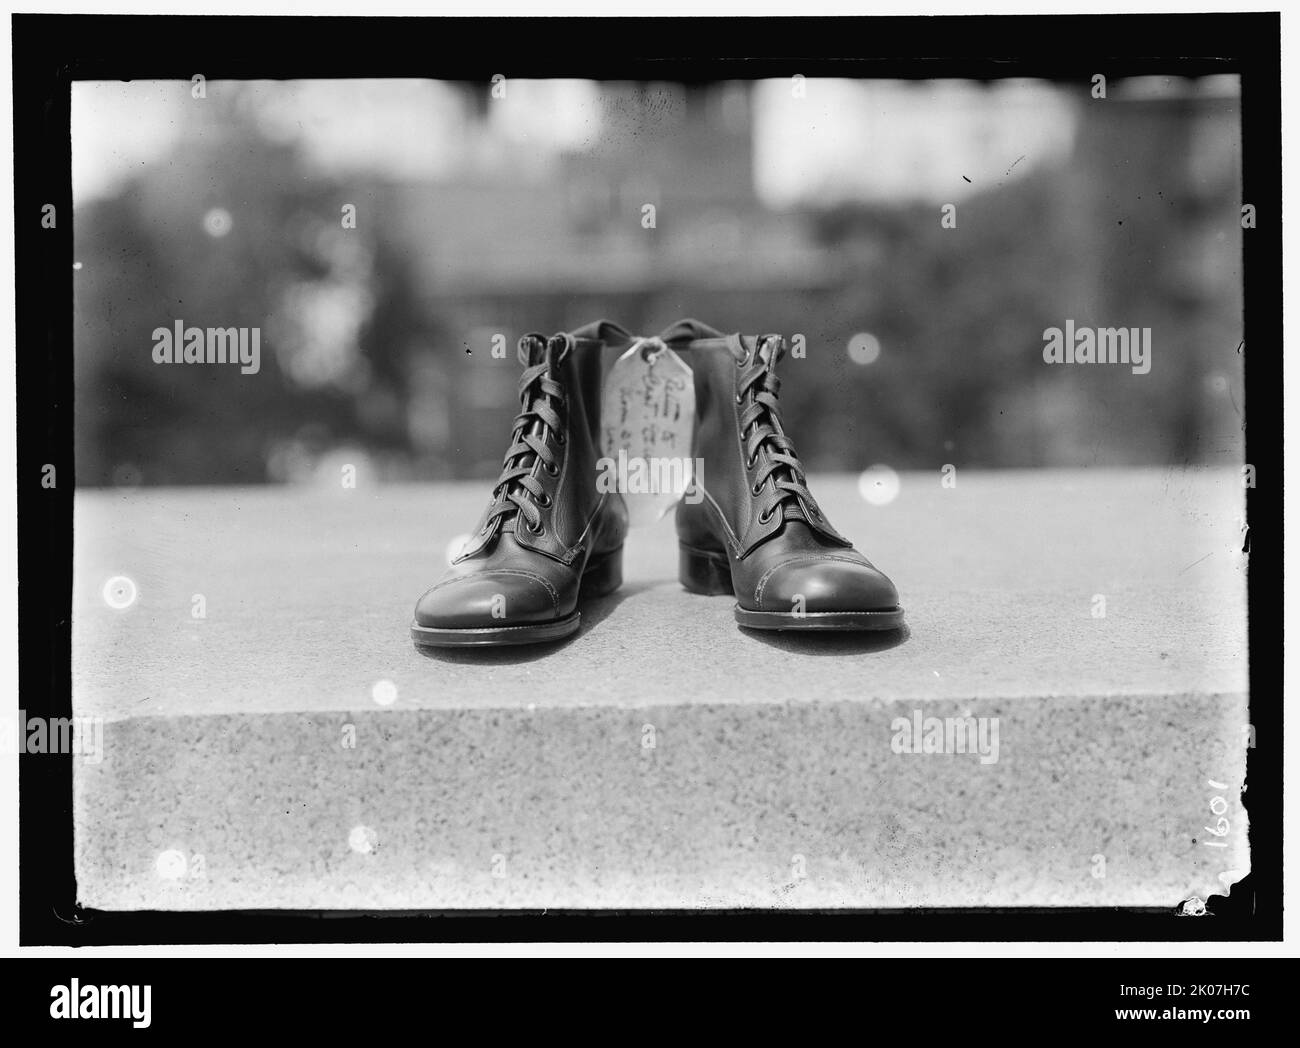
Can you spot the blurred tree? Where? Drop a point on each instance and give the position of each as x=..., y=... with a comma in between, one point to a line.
x=232, y=230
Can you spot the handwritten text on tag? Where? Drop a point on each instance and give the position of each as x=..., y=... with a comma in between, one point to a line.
x=647, y=429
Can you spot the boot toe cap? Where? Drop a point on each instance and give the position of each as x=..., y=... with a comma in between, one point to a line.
x=826, y=585
x=484, y=601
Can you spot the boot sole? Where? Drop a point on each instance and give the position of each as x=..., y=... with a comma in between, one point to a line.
x=600, y=578
x=888, y=619
x=710, y=574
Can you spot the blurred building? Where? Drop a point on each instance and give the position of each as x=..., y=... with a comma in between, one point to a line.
x=548, y=247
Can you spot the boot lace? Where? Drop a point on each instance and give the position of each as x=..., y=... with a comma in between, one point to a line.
x=536, y=432
x=760, y=426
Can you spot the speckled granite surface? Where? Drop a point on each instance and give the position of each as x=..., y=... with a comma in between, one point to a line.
x=292, y=749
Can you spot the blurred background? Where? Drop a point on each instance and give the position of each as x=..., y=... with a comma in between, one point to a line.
x=808, y=209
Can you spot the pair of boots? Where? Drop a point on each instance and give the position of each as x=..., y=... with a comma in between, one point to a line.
x=549, y=539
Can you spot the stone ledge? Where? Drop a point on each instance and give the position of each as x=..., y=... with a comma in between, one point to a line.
x=772, y=756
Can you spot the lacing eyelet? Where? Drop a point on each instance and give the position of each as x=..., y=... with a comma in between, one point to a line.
x=740, y=399
x=560, y=439
x=544, y=500
x=766, y=515
x=552, y=470
x=536, y=530
x=756, y=489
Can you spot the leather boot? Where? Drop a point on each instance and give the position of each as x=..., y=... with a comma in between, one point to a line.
x=547, y=538
x=757, y=531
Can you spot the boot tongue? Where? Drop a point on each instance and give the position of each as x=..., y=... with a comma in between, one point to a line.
x=771, y=348
x=533, y=349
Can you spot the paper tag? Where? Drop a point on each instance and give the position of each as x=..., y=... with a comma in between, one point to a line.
x=648, y=427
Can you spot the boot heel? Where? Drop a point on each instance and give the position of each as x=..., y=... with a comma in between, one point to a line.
x=706, y=573
x=603, y=575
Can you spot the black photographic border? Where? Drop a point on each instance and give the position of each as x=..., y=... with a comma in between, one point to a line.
x=51, y=51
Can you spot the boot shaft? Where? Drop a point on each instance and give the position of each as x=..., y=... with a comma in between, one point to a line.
x=576, y=362
x=748, y=512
